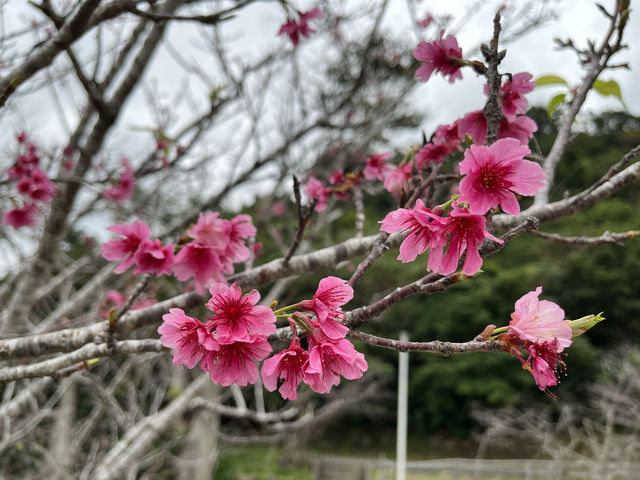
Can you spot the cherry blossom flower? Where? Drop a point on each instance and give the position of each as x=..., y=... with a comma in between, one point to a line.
x=397, y=179
x=116, y=298
x=294, y=29
x=314, y=189
x=236, y=362
x=125, y=248
x=152, y=257
x=200, y=262
x=24, y=216
x=540, y=321
x=238, y=318
x=288, y=365
x=126, y=183
x=474, y=124
x=544, y=359
x=521, y=128
x=36, y=185
x=493, y=174
x=237, y=230
x=331, y=358
x=432, y=152
x=442, y=55
x=376, y=166
x=332, y=293
x=210, y=230
x=425, y=230
x=467, y=231
x=512, y=95
x=187, y=336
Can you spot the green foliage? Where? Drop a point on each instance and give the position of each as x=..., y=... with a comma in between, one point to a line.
x=257, y=463
x=607, y=88
x=545, y=80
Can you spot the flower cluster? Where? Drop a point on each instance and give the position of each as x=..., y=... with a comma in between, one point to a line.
x=32, y=183
x=428, y=229
x=231, y=342
x=294, y=29
x=215, y=246
x=122, y=190
x=538, y=327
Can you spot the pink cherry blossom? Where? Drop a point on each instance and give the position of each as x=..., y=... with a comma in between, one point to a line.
x=432, y=152
x=187, y=336
x=397, y=179
x=521, y=128
x=466, y=232
x=24, y=216
x=237, y=317
x=329, y=359
x=200, y=262
x=332, y=293
x=288, y=365
x=539, y=321
x=210, y=230
x=443, y=55
x=376, y=166
x=493, y=174
x=543, y=362
x=315, y=190
x=36, y=185
x=125, y=248
x=152, y=257
x=236, y=362
x=116, y=298
x=126, y=183
x=424, y=228
x=512, y=95
x=473, y=124
x=294, y=29
x=238, y=230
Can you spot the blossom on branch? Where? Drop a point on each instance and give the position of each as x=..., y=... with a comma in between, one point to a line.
x=424, y=228
x=466, y=233
x=122, y=190
x=125, y=248
x=538, y=327
x=237, y=317
x=493, y=174
x=442, y=55
x=376, y=166
x=152, y=257
x=540, y=321
x=331, y=358
x=295, y=29
x=189, y=338
x=289, y=366
x=19, y=217
x=235, y=362
x=332, y=293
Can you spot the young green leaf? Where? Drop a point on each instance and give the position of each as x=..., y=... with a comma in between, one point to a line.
x=555, y=102
x=607, y=88
x=550, y=80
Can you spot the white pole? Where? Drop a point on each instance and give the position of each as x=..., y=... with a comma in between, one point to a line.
x=403, y=381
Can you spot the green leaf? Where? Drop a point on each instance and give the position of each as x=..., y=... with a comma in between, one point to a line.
x=555, y=102
x=607, y=88
x=550, y=80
